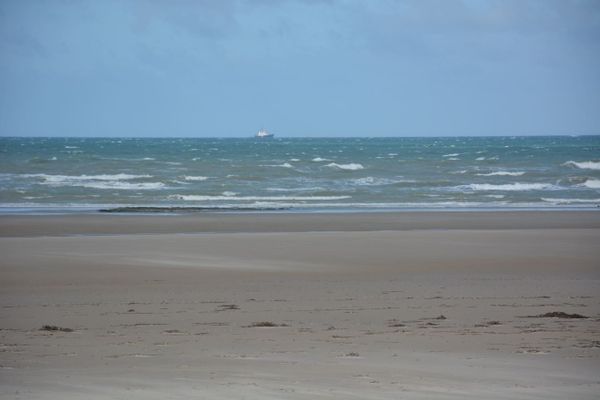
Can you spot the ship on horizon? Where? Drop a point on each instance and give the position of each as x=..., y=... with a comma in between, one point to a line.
x=263, y=134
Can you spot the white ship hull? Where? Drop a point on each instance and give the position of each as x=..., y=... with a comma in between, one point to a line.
x=263, y=134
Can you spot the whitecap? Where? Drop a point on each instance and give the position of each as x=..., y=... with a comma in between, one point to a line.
x=592, y=183
x=229, y=194
x=122, y=185
x=319, y=159
x=450, y=155
x=103, y=177
x=512, y=187
x=255, y=198
x=372, y=181
x=295, y=189
x=563, y=201
x=284, y=165
x=503, y=173
x=595, y=165
x=480, y=159
x=347, y=167
x=195, y=178
x=105, y=181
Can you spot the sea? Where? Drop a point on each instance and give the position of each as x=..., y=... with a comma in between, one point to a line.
x=298, y=174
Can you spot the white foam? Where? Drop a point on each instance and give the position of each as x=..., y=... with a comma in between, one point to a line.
x=441, y=205
x=284, y=165
x=503, y=173
x=512, y=187
x=595, y=165
x=71, y=147
x=319, y=159
x=452, y=159
x=122, y=185
x=566, y=201
x=195, y=178
x=371, y=181
x=592, y=183
x=294, y=159
x=228, y=193
x=450, y=155
x=295, y=189
x=106, y=181
x=69, y=178
x=347, y=167
x=480, y=159
x=255, y=198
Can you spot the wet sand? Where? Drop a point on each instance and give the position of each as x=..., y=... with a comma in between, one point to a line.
x=390, y=305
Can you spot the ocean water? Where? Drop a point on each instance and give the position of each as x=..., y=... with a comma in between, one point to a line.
x=302, y=174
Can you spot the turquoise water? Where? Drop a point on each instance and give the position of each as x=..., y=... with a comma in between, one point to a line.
x=301, y=173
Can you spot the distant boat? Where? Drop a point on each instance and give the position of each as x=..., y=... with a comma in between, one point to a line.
x=263, y=134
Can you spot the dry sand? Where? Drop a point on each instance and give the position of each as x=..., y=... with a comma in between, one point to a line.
x=357, y=300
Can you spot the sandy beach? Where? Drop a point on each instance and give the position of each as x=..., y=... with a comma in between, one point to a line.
x=438, y=305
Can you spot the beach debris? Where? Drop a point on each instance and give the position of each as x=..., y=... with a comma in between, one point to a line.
x=394, y=323
x=173, y=332
x=487, y=324
x=558, y=314
x=441, y=317
x=265, y=324
x=54, y=328
x=352, y=354
x=226, y=307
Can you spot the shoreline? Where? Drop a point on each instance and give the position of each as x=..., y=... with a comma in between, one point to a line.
x=106, y=224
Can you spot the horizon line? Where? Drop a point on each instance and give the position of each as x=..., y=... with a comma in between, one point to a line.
x=296, y=137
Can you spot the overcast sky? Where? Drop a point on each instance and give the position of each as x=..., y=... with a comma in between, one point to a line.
x=299, y=68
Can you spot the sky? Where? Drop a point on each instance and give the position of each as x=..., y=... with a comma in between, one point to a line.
x=207, y=68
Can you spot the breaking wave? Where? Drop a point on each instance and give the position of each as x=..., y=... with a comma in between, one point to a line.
x=347, y=167
x=70, y=178
x=195, y=178
x=503, y=173
x=193, y=197
x=568, y=201
x=371, y=181
x=592, y=183
x=595, y=165
x=512, y=187
x=105, y=181
x=284, y=165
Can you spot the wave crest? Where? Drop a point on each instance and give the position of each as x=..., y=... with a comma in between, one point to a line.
x=193, y=197
x=511, y=187
x=503, y=173
x=346, y=167
x=595, y=165
x=592, y=183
